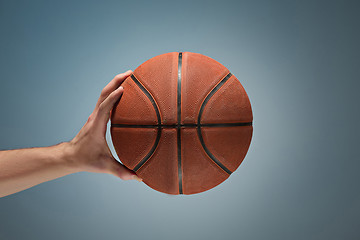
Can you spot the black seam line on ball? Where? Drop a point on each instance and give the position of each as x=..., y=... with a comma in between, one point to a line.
x=179, y=90
x=212, y=92
x=179, y=160
x=146, y=158
x=189, y=125
x=179, y=122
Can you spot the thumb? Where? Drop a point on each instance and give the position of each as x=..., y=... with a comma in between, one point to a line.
x=120, y=171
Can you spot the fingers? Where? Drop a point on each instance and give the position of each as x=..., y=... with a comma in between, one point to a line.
x=119, y=170
x=112, y=86
x=103, y=113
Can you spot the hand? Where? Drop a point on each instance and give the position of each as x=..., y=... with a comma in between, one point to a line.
x=89, y=150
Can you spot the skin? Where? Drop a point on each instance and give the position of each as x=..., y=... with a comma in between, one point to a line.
x=87, y=151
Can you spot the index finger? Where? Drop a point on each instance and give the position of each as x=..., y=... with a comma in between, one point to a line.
x=112, y=86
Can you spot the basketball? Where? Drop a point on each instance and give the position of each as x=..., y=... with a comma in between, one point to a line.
x=183, y=124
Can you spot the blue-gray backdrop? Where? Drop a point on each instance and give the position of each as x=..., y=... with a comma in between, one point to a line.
x=298, y=61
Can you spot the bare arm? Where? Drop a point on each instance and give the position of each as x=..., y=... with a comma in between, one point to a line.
x=88, y=151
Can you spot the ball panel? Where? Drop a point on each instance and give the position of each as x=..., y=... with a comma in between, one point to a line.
x=159, y=76
x=200, y=173
x=228, y=144
x=127, y=142
x=199, y=75
x=160, y=172
x=229, y=104
x=134, y=107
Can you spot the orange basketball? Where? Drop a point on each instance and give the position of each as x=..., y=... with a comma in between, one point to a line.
x=183, y=124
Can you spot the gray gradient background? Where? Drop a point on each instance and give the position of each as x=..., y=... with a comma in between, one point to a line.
x=298, y=61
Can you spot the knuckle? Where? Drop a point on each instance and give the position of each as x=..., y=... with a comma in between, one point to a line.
x=120, y=75
x=111, y=97
x=90, y=117
x=102, y=107
x=125, y=177
x=104, y=92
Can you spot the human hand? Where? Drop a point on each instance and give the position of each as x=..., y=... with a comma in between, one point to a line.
x=88, y=151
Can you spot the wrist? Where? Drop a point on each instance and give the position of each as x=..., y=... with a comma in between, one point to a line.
x=67, y=156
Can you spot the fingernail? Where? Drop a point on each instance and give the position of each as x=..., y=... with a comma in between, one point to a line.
x=121, y=87
x=135, y=177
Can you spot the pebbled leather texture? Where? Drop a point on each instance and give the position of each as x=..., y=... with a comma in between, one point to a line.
x=183, y=124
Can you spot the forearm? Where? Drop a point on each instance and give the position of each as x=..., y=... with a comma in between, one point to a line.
x=23, y=168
